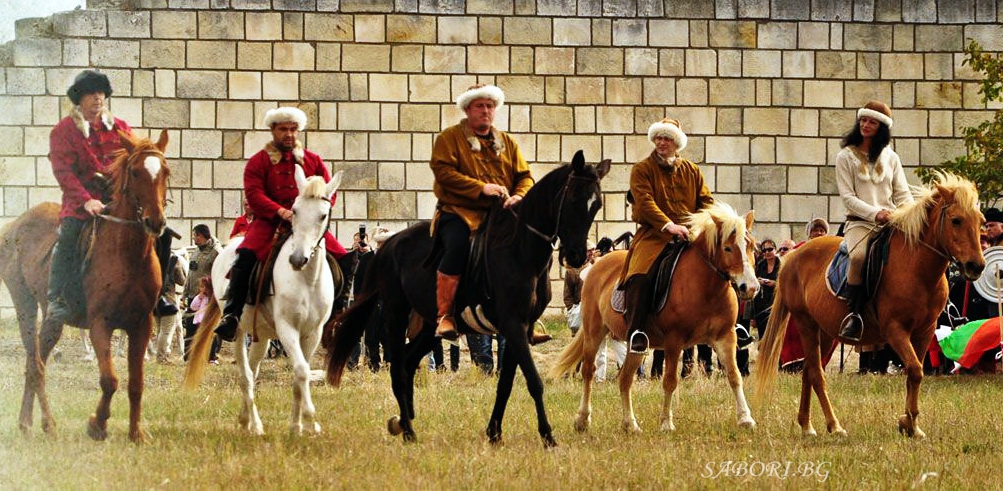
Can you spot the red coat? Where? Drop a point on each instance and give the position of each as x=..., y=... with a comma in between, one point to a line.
x=75, y=158
x=270, y=185
x=240, y=226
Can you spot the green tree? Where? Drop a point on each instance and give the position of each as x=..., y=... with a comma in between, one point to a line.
x=983, y=160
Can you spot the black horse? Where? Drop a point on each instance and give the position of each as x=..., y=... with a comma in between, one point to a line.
x=520, y=245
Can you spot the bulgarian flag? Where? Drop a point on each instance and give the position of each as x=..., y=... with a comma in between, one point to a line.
x=970, y=341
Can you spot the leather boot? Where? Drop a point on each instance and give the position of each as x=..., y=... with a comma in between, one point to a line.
x=638, y=299
x=852, y=327
x=162, y=247
x=445, y=293
x=64, y=273
x=236, y=294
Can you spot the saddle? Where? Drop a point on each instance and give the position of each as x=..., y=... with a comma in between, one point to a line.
x=874, y=263
x=260, y=286
x=660, y=275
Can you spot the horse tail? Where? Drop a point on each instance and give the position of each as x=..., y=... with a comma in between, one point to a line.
x=771, y=344
x=198, y=354
x=348, y=331
x=570, y=357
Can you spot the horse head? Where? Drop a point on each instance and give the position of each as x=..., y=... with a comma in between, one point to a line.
x=945, y=218
x=728, y=245
x=139, y=179
x=311, y=215
x=581, y=199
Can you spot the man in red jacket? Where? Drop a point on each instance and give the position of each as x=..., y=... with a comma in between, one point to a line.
x=270, y=190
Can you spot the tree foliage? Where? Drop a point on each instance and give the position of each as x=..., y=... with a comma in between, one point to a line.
x=983, y=160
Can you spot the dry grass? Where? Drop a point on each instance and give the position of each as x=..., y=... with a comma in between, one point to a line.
x=196, y=443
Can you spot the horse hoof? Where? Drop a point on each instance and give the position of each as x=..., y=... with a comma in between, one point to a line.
x=315, y=428
x=810, y=432
x=497, y=440
x=840, y=433
x=581, y=425
x=919, y=434
x=410, y=437
x=747, y=423
x=94, y=431
x=548, y=441
x=631, y=427
x=668, y=426
x=139, y=437
x=394, y=425
x=49, y=427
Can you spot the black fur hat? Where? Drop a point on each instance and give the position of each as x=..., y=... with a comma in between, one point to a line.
x=88, y=82
x=993, y=215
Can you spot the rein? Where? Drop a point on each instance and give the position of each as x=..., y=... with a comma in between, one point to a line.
x=552, y=238
x=940, y=233
x=127, y=192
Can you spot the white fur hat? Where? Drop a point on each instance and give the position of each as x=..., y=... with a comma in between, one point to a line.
x=668, y=127
x=286, y=115
x=877, y=110
x=481, y=91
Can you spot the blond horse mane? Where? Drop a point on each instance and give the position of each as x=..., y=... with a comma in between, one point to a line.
x=911, y=219
x=716, y=222
x=314, y=188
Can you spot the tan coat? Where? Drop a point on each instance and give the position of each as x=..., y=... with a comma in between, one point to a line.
x=463, y=164
x=662, y=194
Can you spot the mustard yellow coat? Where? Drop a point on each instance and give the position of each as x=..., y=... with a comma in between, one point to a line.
x=463, y=163
x=663, y=193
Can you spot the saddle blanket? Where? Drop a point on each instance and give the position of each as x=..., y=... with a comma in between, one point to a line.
x=836, y=272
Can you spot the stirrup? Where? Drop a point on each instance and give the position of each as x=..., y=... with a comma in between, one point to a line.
x=642, y=339
x=845, y=327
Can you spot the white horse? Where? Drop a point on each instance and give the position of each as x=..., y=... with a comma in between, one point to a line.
x=303, y=296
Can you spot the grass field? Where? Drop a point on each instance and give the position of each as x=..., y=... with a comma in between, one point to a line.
x=196, y=443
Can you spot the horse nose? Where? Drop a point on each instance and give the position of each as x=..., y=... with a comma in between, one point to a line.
x=156, y=227
x=974, y=269
x=297, y=260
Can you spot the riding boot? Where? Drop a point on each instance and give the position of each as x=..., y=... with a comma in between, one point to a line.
x=445, y=293
x=64, y=272
x=638, y=300
x=162, y=246
x=852, y=327
x=236, y=294
x=345, y=268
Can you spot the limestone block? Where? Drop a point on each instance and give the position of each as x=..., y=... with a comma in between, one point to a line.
x=142, y=83
x=388, y=87
x=938, y=94
x=419, y=117
x=823, y=93
x=555, y=90
x=988, y=35
x=833, y=123
x=165, y=83
x=835, y=64
x=898, y=66
x=527, y=31
x=489, y=30
x=612, y=148
x=572, y=32
x=908, y=150
x=691, y=91
x=201, y=202
x=234, y=114
x=255, y=141
x=254, y=56
x=802, y=180
x=233, y=143
x=264, y=26
x=936, y=150
x=242, y=85
x=732, y=92
x=669, y=33
x=15, y=201
x=764, y=96
x=165, y=113
x=637, y=148
x=903, y=37
x=729, y=63
x=641, y=61
x=123, y=24
x=328, y=144
x=328, y=27
x=212, y=54
x=201, y=144
x=965, y=119
x=732, y=34
x=358, y=86
x=813, y=35
x=599, y=61
x=777, y=35
x=859, y=93
x=17, y=171
x=868, y=66
x=726, y=178
x=220, y=25
x=552, y=119
x=36, y=142
x=804, y=122
x=80, y=23
x=300, y=56
x=695, y=120
x=762, y=150
x=33, y=27
x=941, y=123
x=766, y=121
x=803, y=151
x=867, y=37
x=106, y=53
x=445, y=59
x=761, y=63
x=699, y=33
x=280, y=86
x=590, y=144
x=799, y=64
x=24, y=81
x=727, y=149
x=457, y=30
x=324, y=86
x=623, y=90
x=802, y=208
x=522, y=60
x=630, y=32
x=45, y=110
x=173, y=24
x=435, y=88
x=910, y=123
x=35, y=52
x=200, y=84
x=615, y=119
x=555, y=61
x=488, y=59
x=763, y=179
x=955, y=12
x=292, y=26
x=392, y=206
x=391, y=176
x=659, y=91
x=518, y=89
x=971, y=97
x=701, y=63
x=938, y=66
x=390, y=146
x=76, y=52
x=188, y=4
x=585, y=119
x=411, y=29
x=370, y=29
x=203, y=114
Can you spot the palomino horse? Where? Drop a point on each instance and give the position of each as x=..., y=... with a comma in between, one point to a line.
x=121, y=260
x=520, y=243
x=941, y=226
x=702, y=307
x=304, y=292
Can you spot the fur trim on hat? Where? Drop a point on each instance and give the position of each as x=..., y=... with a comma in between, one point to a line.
x=497, y=144
x=880, y=116
x=286, y=115
x=88, y=82
x=481, y=92
x=85, y=126
x=670, y=128
x=275, y=155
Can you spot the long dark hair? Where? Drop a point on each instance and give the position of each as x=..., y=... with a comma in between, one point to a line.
x=879, y=141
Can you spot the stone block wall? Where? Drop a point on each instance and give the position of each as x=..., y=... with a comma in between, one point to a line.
x=765, y=89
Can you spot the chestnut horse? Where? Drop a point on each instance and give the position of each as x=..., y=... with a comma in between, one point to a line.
x=122, y=280
x=941, y=226
x=702, y=308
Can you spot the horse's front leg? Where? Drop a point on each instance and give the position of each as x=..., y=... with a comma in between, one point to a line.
x=290, y=338
x=626, y=380
x=139, y=340
x=503, y=391
x=404, y=363
x=249, y=419
x=97, y=424
x=908, y=350
x=670, y=380
x=726, y=352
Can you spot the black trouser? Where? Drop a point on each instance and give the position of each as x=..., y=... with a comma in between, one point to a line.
x=240, y=279
x=704, y=354
x=438, y=356
x=65, y=278
x=455, y=236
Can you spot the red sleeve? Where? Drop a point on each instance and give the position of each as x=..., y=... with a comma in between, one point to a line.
x=255, y=176
x=63, y=154
x=122, y=125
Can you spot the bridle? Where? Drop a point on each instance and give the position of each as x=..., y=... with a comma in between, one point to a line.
x=942, y=252
x=126, y=191
x=327, y=228
x=720, y=272
x=552, y=238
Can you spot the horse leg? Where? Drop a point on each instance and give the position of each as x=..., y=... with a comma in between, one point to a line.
x=804, y=406
x=520, y=354
x=726, y=349
x=670, y=380
x=815, y=375
x=403, y=365
x=908, y=351
x=27, y=316
x=504, y=390
x=584, y=416
x=308, y=345
x=47, y=339
x=626, y=379
x=249, y=419
x=97, y=424
x=139, y=341
x=290, y=338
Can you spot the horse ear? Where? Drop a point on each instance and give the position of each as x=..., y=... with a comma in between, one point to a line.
x=334, y=184
x=749, y=218
x=578, y=162
x=300, y=177
x=162, y=141
x=602, y=168
x=126, y=140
